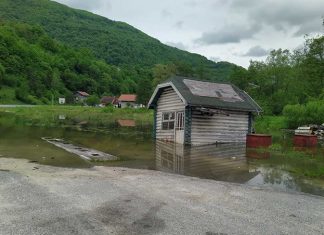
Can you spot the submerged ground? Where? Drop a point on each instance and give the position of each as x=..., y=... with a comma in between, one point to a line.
x=38, y=199
x=46, y=190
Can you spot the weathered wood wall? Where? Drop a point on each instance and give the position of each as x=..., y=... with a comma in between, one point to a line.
x=169, y=101
x=220, y=128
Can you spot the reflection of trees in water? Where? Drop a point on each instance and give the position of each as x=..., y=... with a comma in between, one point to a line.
x=277, y=176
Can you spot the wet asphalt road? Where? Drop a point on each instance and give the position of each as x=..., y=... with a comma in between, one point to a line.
x=36, y=199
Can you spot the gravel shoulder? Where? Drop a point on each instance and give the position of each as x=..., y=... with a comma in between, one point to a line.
x=37, y=199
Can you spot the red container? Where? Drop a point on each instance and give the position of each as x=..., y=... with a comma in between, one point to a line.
x=258, y=141
x=305, y=140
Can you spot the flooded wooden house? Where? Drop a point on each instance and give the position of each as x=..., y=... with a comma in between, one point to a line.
x=188, y=111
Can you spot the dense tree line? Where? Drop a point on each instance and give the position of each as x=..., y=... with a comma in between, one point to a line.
x=39, y=68
x=291, y=79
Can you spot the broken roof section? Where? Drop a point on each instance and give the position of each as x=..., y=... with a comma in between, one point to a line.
x=207, y=94
x=224, y=92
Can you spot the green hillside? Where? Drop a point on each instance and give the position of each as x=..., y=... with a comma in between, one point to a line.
x=116, y=42
x=34, y=68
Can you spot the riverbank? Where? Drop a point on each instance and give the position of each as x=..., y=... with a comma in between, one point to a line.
x=126, y=201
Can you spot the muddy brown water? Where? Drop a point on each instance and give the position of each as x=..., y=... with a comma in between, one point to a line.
x=135, y=149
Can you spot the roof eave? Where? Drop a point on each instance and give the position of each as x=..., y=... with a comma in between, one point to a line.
x=151, y=104
x=227, y=108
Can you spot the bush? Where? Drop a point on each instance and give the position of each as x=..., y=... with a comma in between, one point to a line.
x=109, y=109
x=33, y=100
x=298, y=115
x=92, y=100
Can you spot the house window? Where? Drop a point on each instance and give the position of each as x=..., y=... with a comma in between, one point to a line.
x=168, y=121
x=180, y=121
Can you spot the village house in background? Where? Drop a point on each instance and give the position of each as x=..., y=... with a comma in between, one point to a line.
x=62, y=100
x=81, y=96
x=109, y=100
x=188, y=111
x=127, y=100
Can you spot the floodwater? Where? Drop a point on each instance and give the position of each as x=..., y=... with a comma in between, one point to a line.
x=288, y=169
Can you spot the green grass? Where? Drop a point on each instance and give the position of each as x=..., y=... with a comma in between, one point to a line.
x=305, y=162
x=269, y=124
x=92, y=117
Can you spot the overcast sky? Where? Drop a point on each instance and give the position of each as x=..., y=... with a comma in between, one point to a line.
x=227, y=30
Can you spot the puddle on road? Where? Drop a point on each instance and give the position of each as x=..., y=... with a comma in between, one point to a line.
x=287, y=169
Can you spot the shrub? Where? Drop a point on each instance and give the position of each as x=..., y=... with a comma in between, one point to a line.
x=310, y=113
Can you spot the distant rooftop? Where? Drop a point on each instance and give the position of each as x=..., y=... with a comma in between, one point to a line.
x=127, y=98
x=83, y=93
x=108, y=100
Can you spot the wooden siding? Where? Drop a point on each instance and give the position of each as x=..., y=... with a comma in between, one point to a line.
x=169, y=101
x=219, y=128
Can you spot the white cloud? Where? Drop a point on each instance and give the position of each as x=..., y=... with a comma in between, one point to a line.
x=256, y=51
x=216, y=28
x=228, y=34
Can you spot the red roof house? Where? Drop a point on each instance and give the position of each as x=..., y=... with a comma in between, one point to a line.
x=127, y=100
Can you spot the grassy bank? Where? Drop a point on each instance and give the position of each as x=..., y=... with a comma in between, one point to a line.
x=47, y=115
x=76, y=115
x=269, y=124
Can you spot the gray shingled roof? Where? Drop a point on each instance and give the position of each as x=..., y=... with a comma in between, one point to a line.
x=209, y=94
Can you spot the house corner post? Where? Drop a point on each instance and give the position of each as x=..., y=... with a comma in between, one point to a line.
x=154, y=123
x=250, y=123
x=188, y=122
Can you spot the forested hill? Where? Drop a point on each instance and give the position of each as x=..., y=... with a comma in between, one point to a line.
x=34, y=68
x=116, y=42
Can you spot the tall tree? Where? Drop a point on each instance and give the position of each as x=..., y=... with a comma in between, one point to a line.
x=163, y=72
x=144, y=91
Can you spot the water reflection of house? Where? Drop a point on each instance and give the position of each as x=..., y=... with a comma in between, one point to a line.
x=126, y=123
x=225, y=162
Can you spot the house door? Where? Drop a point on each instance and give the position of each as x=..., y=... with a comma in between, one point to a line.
x=179, y=128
